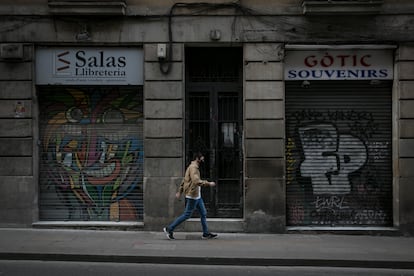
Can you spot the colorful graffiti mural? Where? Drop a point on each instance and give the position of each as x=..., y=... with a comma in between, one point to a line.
x=338, y=159
x=91, y=154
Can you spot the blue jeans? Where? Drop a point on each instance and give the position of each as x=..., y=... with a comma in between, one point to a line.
x=190, y=206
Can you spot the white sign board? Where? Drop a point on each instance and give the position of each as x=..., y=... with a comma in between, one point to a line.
x=328, y=64
x=89, y=66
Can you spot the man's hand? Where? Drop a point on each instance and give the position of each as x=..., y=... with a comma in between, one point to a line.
x=212, y=184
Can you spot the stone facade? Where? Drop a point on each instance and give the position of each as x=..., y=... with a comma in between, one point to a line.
x=404, y=103
x=263, y=31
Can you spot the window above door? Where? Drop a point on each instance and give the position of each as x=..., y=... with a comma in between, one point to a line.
x=209, y=64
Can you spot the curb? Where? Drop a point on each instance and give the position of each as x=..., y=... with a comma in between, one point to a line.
x=207, y=260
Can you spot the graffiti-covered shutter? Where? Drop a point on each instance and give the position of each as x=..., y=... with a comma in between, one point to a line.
x=91, y=154
x=339, y=153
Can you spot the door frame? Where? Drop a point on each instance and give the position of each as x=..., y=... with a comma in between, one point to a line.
x=214, y=85
x=212, y=149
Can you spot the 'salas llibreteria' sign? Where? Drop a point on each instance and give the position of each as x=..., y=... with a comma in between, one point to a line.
x=328, y=64
x=89, y=66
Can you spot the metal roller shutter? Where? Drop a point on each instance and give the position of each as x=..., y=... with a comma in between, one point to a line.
x=339, y=153
x=91, y=154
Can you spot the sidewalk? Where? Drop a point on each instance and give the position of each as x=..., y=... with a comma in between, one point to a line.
x=228, y=249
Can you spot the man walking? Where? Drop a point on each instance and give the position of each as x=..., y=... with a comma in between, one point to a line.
x=191, y=187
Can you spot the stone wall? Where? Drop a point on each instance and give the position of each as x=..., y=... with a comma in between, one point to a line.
x=264, y=138
x=17, y=148
x=163, y=136
x=263, y=39
x=405, y=136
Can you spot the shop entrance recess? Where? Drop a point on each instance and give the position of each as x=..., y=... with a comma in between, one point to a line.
x=214, y=125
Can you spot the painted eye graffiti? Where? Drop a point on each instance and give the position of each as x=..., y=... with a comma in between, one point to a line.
x=74, y=115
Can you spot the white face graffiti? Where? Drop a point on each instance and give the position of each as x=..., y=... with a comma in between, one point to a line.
x=330, y=158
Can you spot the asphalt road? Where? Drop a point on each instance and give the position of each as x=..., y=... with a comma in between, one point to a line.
x=42, y=268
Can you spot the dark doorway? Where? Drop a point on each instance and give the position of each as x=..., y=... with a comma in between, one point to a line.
x=214, y=119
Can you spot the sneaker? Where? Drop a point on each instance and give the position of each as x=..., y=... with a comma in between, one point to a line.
x=209, y=236
x=170, y=234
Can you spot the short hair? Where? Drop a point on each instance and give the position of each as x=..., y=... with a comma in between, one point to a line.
x=197, y=155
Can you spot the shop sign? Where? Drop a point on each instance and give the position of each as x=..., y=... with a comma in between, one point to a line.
x=89, y=66
x=328, y=64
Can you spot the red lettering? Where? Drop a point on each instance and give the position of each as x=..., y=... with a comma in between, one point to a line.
x=339, y=60
x=364, y=62
x=342, y=59
x=327, y=60
x=310, y=61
